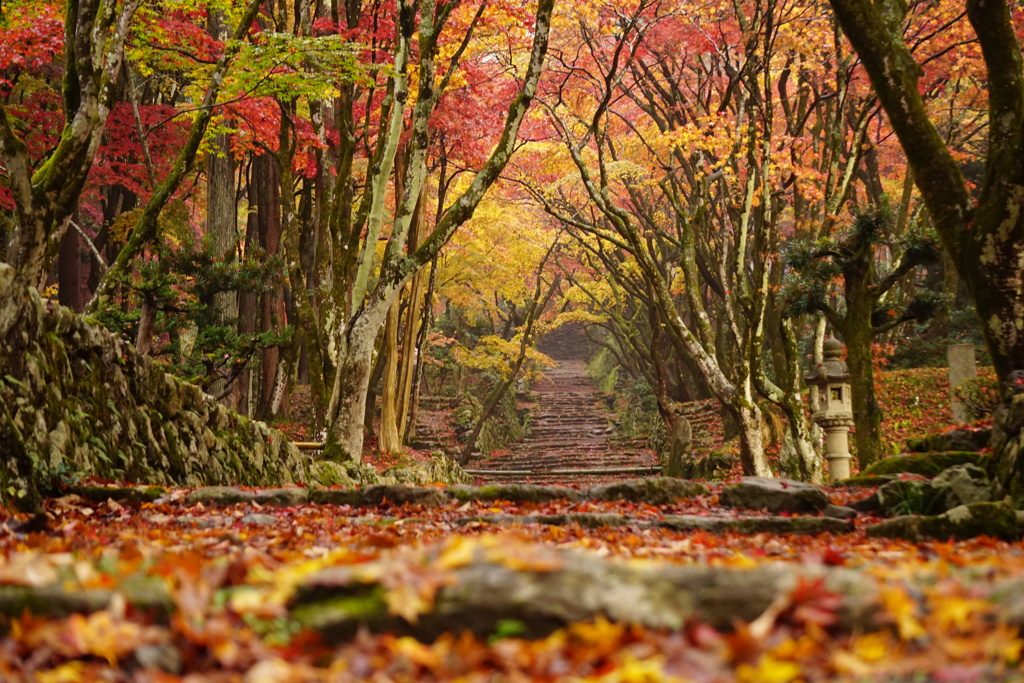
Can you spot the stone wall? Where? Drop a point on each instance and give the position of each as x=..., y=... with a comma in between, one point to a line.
x=76, y=399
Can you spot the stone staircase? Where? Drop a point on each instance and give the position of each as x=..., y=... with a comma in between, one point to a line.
x=569, y=438
x=431, y=429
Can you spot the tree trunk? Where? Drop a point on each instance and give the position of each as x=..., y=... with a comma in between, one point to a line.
x=801, y=429
x=221, y=216
x=1008, y=444
x=411, y=329
x=421, y=335
x=858, y=336
x=272, y=376
x=983, y=238
x=390, y=441
x=680, y=443
x=348, y=399
x=221, y=219
x=867, y=415
x=69, y=272
x=147, y=321
x=749, y=419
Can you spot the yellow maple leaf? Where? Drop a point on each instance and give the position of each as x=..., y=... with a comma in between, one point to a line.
x=903, y=610
x=768, y=670
x=458, y=552
x=956, y=612
x=872, y=647
x=72, y=672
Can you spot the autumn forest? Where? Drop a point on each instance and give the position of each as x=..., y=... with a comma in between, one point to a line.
x=484, y=340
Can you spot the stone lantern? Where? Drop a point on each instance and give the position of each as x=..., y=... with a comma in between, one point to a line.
x=834, y=412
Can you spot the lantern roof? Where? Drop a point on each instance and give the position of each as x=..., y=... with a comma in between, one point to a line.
x=832, y=368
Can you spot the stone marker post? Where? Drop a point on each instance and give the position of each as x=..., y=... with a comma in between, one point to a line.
x=962, y=367
x=834, y=412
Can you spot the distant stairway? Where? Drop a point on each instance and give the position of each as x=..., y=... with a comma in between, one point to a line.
x=569, y=434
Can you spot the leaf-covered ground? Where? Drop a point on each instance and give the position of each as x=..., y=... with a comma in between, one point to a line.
x=109, y=590
x=232, y=573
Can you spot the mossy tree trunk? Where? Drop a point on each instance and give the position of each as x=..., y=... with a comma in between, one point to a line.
x=986, y=240
x=858, y=335
x=867, y=415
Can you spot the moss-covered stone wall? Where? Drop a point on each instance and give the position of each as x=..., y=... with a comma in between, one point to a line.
x=76, y=399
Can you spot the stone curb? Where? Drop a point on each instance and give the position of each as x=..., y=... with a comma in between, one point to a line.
x=651, y=490
x=715, y=525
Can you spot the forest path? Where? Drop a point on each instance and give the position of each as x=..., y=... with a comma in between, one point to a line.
x=571, y=428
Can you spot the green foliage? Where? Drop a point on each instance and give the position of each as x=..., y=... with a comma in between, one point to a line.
x=815, y=268
x=912, y=497
x=507, y=628
x=809, y=276
x=181, y=283
x=924, y=348
x=603, y=369
x=639, y=417
x=288, y=66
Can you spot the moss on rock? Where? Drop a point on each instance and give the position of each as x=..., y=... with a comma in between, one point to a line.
x=926, y=464
x=515, y=493
x=130, y=494
x=650, y=490
x=997, y=520
x=865, y=481
x=396, y=494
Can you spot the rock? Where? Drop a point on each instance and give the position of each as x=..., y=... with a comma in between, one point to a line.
x=714, y=525
x=163, y=656
x=774, y=495
x=259, y=519
x=962, y=485
x=284, y=497
x=329, y=473
x=958, y=485
x=219, y=495
x=205, y=521
x=1010, y=594
x=396, y=494
x=568, y=587
x=121, y=494
x=926, y=464
x=591, y=520
x=953, y=440
x=439, y=469
x=757, y=525
x=62, y=600
x=998, y=520
x=650, y=490
x=839, y=512
x=868, y=506
x=908, y=497
x=514, y=493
